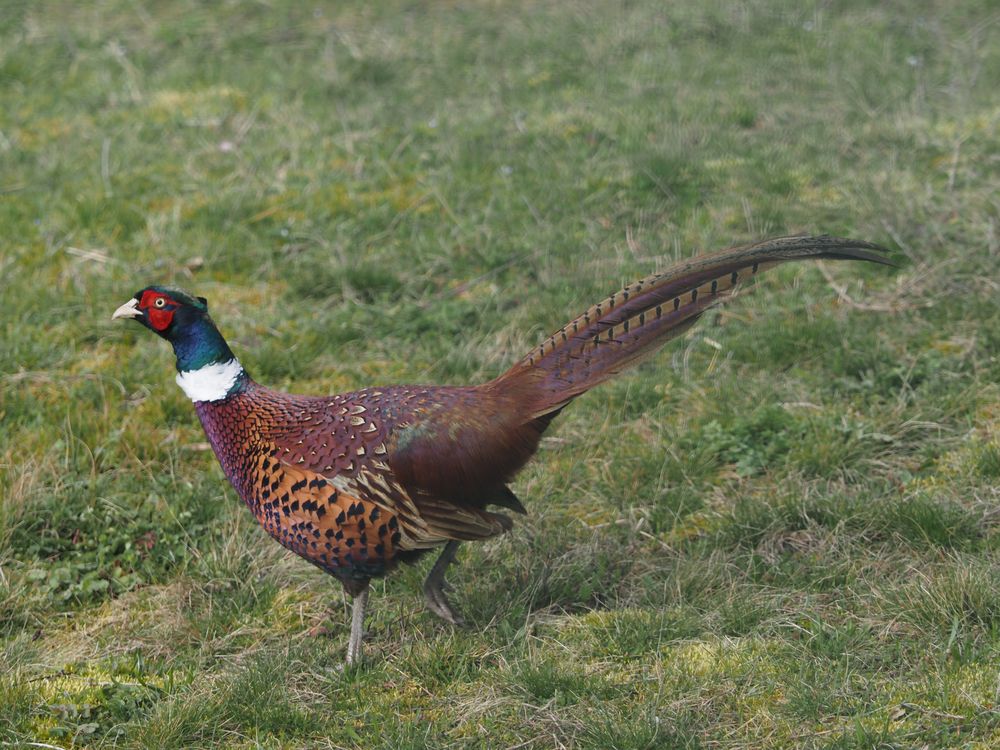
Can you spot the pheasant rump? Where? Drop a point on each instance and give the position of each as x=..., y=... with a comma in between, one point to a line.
x=357, y=482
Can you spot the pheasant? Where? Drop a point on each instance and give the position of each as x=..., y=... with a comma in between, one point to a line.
x=358, y=482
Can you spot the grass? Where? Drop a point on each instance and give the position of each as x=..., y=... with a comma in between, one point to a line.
x=781, y=532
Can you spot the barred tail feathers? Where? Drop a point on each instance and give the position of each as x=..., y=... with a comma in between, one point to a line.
x=618, y=332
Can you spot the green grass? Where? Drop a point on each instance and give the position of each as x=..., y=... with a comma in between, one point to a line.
x=782, y=532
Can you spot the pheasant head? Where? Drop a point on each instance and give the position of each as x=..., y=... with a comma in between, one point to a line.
x=207, y=370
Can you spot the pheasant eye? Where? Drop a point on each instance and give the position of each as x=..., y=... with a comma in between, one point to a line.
x=160, y=302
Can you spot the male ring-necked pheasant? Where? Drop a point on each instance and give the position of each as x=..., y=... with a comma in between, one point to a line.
x=357, y=482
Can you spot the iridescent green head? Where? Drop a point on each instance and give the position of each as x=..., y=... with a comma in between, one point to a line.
x=183, y=320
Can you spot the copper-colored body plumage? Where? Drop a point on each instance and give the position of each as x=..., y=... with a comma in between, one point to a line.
x=340, y=481
x=357, y=482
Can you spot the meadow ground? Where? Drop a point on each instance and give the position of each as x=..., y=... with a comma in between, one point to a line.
x=781, y=532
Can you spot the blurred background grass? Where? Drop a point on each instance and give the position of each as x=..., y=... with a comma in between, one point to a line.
x=779, y=533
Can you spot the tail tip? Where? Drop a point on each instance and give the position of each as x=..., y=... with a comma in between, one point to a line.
x=844, y=248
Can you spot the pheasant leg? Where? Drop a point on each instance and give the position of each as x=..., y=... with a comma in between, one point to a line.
x=359, y=605
x=435, y=585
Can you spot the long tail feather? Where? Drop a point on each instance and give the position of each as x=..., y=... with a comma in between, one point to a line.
x=621, y=330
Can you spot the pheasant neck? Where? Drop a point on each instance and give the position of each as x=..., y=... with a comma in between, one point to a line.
x=207, y=369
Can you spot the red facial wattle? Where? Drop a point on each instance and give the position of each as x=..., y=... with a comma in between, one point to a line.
x=159, y=313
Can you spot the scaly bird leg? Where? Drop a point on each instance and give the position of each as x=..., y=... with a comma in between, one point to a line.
x=435, y=584
x=359, y=605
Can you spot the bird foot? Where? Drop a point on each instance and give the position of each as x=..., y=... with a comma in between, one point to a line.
x=438, y=603
x=349, y=666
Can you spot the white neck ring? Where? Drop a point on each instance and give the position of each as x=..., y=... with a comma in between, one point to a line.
x=211, y=382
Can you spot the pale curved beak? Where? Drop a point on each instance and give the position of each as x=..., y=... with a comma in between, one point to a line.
x=129, y=310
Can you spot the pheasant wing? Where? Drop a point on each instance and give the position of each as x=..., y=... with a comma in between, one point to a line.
x=396, y=449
